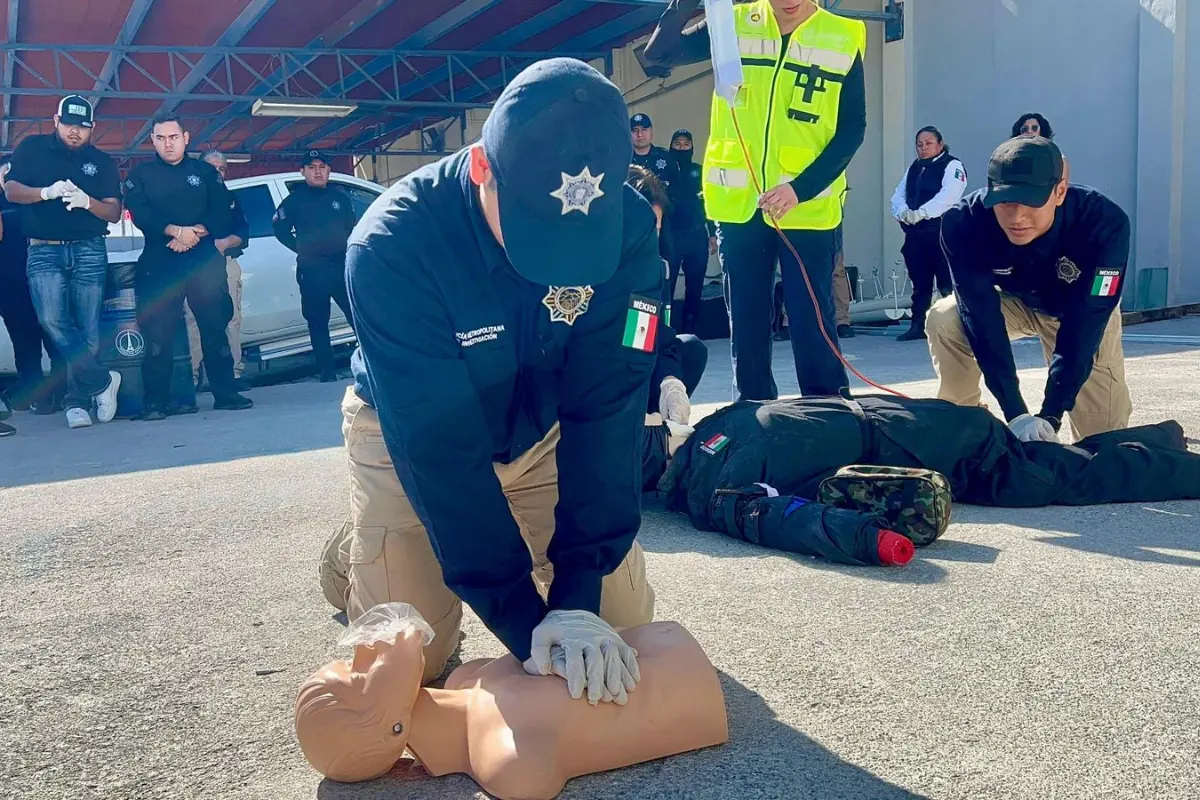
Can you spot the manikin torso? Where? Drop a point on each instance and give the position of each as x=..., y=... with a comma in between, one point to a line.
x=522, y=737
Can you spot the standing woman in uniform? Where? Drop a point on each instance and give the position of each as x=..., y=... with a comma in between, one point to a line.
x=930, y=187
x=802, y=110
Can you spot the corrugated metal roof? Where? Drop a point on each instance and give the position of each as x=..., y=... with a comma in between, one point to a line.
x=402, y=61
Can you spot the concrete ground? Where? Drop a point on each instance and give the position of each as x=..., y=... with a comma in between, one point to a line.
x=161, y=605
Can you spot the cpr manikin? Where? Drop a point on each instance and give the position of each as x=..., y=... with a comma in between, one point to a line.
x=519, y=736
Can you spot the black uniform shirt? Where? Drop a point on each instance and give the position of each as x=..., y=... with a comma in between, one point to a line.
x=315, y=224
x=40, y=161
x=469, y=364
x=1074, y=273
x=660, y=162
x=191, y=192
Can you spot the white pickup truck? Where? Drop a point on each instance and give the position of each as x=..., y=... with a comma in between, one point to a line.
x=272, y=325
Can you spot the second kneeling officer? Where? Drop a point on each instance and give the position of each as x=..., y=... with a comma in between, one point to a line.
x=507, y=300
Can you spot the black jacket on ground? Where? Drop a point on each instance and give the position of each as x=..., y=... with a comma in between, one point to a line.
x=792, y=445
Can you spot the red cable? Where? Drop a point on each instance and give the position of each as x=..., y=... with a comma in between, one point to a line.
x=816, y=304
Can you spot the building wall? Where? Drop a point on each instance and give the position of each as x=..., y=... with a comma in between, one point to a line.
x=1111, y=79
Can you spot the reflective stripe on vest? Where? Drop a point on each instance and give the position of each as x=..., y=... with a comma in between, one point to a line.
x=787, y=109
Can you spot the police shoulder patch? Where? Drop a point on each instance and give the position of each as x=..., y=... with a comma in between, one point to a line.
x=641, y=323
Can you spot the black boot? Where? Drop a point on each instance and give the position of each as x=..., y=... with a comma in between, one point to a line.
x=912, y=334
x=232, y=402
x=845, y=332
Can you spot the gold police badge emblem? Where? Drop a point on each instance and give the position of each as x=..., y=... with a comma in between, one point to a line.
x=1067, y=271
x=567, y=303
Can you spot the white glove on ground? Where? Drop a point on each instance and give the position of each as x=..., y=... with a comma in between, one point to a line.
x=1029, y=428
x=673, y=401
x=56, y=190
x=76, y=198
x=593, y=656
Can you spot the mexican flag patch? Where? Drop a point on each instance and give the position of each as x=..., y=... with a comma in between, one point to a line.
x=641, y=323
x=958, y=175
x=716, y=444
x=1107, y=282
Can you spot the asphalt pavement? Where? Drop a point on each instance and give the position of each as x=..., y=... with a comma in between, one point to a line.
x=161, y=606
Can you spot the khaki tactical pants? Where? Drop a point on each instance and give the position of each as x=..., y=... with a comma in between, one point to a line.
x=1103, y=404
x=233, y=331
x=841, y=291
x=382, y=554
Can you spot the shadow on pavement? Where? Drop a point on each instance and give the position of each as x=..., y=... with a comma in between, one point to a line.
x=764, y=758
x=1131, y=531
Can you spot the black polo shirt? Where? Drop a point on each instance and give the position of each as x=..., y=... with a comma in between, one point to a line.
x=315, y=223
x=1074, y=273
x=191, y=192
x=42, y=160
x=469, y=364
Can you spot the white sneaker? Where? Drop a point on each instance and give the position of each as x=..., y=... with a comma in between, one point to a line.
x=106, y=401
x=78, y=418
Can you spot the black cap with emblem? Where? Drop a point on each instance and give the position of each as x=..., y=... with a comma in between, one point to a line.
x=559, y=148
x=76, y=110
x=313, y=156
x=1024, y=170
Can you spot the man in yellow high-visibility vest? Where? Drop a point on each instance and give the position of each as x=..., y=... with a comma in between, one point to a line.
x=802, y=113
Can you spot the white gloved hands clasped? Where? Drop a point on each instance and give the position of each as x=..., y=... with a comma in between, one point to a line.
x=1029, y=428
x=57, y=190
x=584, y=650
x=76, y=198
x=673, y=402
x=913, y=216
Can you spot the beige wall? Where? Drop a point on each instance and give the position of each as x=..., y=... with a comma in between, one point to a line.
x=683, y=101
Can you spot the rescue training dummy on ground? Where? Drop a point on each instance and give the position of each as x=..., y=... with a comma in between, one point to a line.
x=752, y=469
x=517, y=735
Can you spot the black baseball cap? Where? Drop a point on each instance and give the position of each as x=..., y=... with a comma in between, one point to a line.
x=640, y=121
x=76, y=110
x=685, y=133
x=311, y=156
x=1024, y=170
x=557, y=143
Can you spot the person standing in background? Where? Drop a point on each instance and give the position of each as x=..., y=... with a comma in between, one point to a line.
x=178, y=202
x=315, y=222
x=934, y=182
x=693, y=235
x=69, y=193
x=802, y=111
x=231, y=241
x=33, y=391
x=660, y=162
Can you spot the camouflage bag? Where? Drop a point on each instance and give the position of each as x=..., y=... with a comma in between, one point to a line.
x=915, y=502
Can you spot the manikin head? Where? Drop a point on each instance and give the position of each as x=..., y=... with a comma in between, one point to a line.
x=1033, y=125
x=1026, y=185
x=647, y=184
x=74, y=121
x=315, y=169
x=170, y=139
x=353, y=717
x=929, y=143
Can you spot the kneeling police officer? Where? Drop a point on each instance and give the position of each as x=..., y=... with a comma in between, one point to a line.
x=507, y=302
x=1032, y=255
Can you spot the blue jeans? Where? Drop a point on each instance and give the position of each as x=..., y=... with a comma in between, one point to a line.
x=67, y=282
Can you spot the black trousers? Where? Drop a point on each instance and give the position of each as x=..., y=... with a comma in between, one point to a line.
x=748, y=253
x=926, y=263
x=160, y=295
x=690, y=256
x=319, y=285
x=28, y=338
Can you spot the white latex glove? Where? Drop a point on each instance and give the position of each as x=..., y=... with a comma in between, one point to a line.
x=56, y=190
x=76, y=198
x=673, y=402
x=1029, y=428
x=593, y=656
x=913, y=216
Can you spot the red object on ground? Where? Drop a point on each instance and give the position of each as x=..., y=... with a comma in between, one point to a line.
x=894, y=549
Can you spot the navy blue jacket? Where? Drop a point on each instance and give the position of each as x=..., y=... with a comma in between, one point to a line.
x=460, y=357
x=1074, y=273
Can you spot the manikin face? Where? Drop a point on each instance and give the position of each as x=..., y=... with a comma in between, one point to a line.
x=642, y=138
x=316, y=174
x=481, y=176
x=1031, y=127
x=73, y=136
x=353, y=717
x=1022, y=224
x=170, y=141
x=928, y=146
